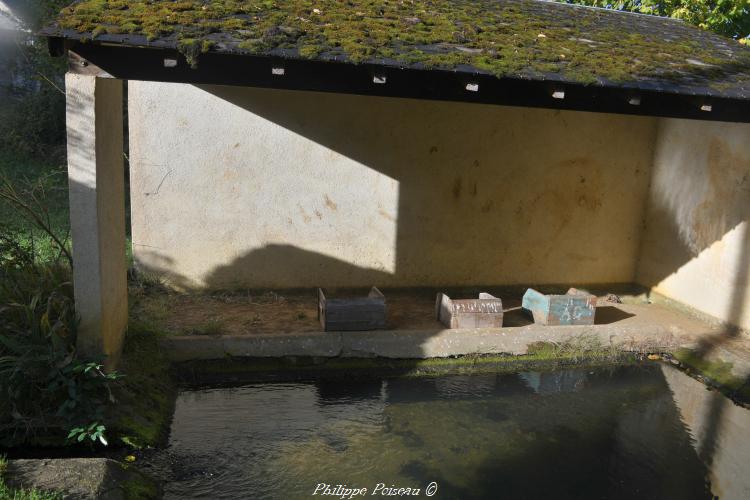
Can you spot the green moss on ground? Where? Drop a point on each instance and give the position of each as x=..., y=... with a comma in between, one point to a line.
x=145, y=398
x=718, y=373
x=511, y=38
x=138, y=487
x=540, y=356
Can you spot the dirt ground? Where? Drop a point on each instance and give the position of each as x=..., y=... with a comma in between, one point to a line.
x=253, y=313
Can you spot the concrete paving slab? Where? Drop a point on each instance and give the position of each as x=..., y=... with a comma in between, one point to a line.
x=81, y=478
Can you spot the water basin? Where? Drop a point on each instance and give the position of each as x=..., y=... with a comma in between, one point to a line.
x=636, y=431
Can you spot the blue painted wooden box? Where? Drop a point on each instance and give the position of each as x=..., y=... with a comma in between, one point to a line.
x=573, y=308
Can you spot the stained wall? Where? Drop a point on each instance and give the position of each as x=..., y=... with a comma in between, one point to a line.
x=696, y=244
x=250, y=187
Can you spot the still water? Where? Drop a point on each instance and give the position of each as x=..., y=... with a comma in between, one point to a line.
x=644, y=431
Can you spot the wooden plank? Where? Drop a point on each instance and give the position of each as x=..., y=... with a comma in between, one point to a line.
x=484, y=312
x=322, y=308
x=81, y=66
x=573, y=308
x=352, y=314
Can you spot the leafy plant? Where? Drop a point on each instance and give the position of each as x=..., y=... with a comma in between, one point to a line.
x=89, y=394
x=727, y=17
x=94, y=432
x=44, y=384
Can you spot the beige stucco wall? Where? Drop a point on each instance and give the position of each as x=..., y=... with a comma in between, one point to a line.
x=266, y=188
x=696, y=246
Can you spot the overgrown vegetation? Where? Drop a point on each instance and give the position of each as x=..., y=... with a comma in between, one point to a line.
x=145, y=398
x=514, y=37
x=727, y=17
x=49, y=394
x=48, y=390
x=52, y=395
x=32, y=131
x=32, y=109
x=575, y=350
x=34, y=210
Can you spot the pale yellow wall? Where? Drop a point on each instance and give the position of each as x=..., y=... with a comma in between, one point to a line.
x=696, y=246
x=265, y=188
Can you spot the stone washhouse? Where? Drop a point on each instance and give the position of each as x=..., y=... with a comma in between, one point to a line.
x=404, y=145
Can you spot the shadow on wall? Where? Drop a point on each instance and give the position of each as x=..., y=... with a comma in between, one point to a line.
x=483, y=194
x=285, y=262
x=696, y=243
x=697, y=217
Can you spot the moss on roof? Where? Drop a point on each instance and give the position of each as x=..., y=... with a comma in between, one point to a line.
x=523, y=38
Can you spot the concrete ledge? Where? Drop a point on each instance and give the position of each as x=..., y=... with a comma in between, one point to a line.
x=649, y=328
x=81, y=478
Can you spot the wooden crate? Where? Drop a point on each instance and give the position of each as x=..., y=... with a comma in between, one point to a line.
x=573, y=308
x=484, y=312
x=352, y=314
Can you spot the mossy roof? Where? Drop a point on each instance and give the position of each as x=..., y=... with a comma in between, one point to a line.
x=529, y=39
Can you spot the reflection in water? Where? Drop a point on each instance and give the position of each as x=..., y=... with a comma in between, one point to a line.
x=603, y=433
x=720, y=431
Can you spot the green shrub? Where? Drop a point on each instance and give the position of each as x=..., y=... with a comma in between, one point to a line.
x=32, y=113
x=33, y=124
x=46, y=390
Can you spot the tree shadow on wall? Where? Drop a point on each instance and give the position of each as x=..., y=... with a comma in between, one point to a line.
x=267, y=266
x=467, y=214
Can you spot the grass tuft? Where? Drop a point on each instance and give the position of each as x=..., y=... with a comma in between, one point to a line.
x=8, y=493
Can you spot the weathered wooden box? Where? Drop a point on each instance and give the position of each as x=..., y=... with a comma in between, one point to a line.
x=484, y=312
x=352, y=314
x=573, y=308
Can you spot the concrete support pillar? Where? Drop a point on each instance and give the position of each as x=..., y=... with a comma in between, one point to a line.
x=97, y=212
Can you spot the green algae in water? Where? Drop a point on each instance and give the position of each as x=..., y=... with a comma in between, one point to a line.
x=504, y=38
x=581, y=433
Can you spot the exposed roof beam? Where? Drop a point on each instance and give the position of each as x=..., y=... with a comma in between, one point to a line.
x=166, y=65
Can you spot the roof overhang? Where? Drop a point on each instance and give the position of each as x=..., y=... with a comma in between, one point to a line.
x=168, y=65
